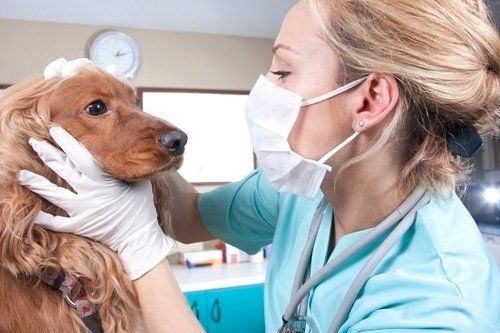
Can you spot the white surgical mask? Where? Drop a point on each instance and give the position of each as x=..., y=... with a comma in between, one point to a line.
x=271, y=112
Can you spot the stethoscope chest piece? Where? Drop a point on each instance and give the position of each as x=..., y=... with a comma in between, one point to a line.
x=294, y=325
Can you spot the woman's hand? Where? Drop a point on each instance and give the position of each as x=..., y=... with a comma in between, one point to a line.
x=102, y=208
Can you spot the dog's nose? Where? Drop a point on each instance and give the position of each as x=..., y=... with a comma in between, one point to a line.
x=174, y=141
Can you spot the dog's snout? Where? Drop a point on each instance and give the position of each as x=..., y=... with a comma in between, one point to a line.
x=174, y=141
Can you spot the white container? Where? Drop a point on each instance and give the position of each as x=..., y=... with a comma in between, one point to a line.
x=232, y=254
x=257, y=258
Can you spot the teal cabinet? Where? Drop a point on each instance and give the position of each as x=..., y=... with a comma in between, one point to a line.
x=197, y=302
x=237, y=309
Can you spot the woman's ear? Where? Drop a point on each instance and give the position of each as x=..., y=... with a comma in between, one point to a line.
x=373, y=101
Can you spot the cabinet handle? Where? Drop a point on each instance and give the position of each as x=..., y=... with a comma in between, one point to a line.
x=195, y=309
x=215, y=312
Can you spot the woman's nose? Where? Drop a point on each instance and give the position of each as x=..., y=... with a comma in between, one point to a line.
x=174, y=141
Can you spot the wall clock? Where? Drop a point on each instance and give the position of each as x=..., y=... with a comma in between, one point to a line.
x=114, y=48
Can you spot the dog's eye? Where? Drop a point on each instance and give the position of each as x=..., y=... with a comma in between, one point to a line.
x=96, y=108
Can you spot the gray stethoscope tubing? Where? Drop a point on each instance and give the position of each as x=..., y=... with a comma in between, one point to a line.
x=311, y=237
x=373, y=261
x=303, y=266
x=410, y=205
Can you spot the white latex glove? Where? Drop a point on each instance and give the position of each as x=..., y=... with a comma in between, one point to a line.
x=64, y=68
x=103, y=208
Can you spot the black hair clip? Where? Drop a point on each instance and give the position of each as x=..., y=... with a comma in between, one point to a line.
x=464, y=140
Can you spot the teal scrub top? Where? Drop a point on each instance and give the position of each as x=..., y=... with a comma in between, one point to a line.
x=439, y=277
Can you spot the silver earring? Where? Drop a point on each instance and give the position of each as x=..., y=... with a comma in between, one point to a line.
x=361, y=123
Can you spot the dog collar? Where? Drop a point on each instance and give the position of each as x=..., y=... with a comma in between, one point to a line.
x=65, y=283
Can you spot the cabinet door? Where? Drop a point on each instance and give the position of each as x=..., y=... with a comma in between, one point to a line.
x=198, y=304
x=239, y=309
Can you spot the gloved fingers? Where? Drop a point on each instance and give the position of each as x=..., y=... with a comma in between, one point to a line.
x=54, y=68
x=58, y=196
x=59, y=163
x=54, y=223
x=78, y=154
x=143, y=186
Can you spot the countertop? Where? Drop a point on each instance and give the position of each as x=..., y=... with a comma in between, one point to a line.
x=219, y=276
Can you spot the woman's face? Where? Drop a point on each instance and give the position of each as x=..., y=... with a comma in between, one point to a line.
x=305, y=64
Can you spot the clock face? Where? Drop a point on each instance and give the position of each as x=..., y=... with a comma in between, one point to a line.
x=115, y=48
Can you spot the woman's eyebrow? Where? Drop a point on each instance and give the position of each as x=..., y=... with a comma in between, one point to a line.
x=284, y=47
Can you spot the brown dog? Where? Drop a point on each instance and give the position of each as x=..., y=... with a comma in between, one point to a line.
x=102, y=113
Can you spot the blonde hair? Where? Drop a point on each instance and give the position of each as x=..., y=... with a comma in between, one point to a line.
x=445, y=56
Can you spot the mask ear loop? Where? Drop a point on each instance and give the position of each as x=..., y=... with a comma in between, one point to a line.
x=326, y=96
x=333, y=93
x=336, y=149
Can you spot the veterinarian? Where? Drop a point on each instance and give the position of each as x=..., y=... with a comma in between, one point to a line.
x=363, y=127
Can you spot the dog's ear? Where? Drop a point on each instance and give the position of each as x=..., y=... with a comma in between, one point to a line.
x=24, y=113
x=161, y=195
x=24, y=108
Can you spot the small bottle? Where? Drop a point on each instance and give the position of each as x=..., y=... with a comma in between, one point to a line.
x=267, y=251
x=220, y=245
x=232, y=254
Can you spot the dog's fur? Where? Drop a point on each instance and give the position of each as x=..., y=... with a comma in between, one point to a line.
x=125, y=142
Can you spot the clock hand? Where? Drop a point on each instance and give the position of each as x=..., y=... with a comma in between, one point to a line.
x=119, y=54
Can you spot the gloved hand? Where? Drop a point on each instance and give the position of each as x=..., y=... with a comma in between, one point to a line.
x=103, y=208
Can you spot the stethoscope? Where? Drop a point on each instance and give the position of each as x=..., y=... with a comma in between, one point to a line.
x=295, y=319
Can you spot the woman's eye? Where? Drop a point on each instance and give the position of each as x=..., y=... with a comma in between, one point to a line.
x=96, y=108
x=281, y=74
